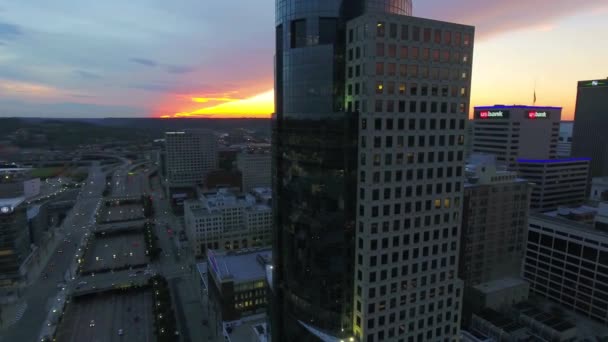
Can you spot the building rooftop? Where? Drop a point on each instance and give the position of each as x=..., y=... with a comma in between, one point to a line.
x=500, y=321
x=580, y=210
x=544, y=318
x=552, y=161
x=251, y=330
x=502, y=106
x=500, y=284
x=240, y=266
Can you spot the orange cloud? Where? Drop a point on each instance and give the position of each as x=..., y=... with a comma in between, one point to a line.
x=260, y=105
x=27, y=89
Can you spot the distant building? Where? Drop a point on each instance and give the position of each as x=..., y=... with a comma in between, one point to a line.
x=557, y=182
x=589, y=138
x=599, y=189
x=237, y=283
x=224, y=220
x=516, y=132
x=564, y=142
x=190, y=155
x=17, y=181
x=255, y=168
x=567, y=261
x=14, y=240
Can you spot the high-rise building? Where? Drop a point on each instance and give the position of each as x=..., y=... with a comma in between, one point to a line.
x=589, y=138
x=224, y=220
x=495, y=222
x=515, y=132
x=564, y=142
x=190, y=155
x=255, y=169
x=567, y=261
x=368, y=170
x=557, y=182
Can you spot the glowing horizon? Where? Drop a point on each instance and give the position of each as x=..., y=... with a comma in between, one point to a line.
x=257, y=106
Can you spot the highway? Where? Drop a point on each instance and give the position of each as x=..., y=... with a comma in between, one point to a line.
x=42, y=291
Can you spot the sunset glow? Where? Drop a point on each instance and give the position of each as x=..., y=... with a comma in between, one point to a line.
x=257, y=106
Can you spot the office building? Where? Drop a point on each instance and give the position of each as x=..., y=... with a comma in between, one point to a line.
x=589, y=139
x=190, y=155
x=255, y=168
x=224, y=220
x=237, y=283
x=564, y=141
x=368, y=170
x=567, y=262
x=495, y=221
x=516, y=132
x=557, y=182
x=14, y=241
x=494, y=225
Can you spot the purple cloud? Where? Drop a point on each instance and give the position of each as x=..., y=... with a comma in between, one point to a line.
x=144, y=61
x=495, y=17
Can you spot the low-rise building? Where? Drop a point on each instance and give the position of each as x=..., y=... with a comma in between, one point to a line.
x=567, y=261
x=225, y=220
x=237, y=283
x=557, y=182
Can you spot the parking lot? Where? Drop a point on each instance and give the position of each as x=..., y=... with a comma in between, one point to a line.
x=99, y=318
x=115, y=252
x=123, y=212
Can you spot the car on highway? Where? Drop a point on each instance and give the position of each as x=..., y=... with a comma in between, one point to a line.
x=92, y=323
x=120, y=332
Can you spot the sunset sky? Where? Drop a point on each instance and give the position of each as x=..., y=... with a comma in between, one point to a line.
x=214, y=58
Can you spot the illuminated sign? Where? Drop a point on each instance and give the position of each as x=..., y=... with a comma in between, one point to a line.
x=595, y=83
x=492, y=114
x=537, y=114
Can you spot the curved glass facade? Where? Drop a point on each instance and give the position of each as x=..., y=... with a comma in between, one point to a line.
x=314, y=169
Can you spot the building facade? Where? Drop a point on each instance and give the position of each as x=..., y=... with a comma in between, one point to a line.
x=368, y=172
x=224, y=220
x=516, y=132
x=567, y=262
x=237, y=282
x=557, y=182
x=564, y=142
x=255, y=169
x=190, y=155
x=14, y=241
x=589, y=139
x=599, y=189
x=495, y=222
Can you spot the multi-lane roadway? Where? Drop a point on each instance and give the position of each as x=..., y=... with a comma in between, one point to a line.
x=43, y=290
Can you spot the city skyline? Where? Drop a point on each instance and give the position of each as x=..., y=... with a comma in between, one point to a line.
x=75, y=59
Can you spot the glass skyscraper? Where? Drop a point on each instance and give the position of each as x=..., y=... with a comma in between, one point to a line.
x=368, y=158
